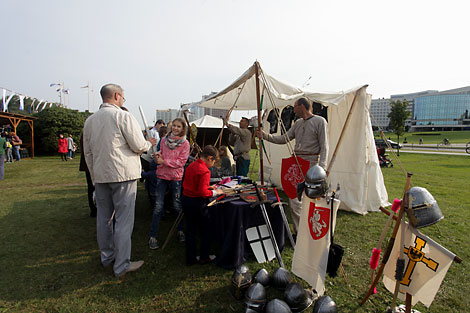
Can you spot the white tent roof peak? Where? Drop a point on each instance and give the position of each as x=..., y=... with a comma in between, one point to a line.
x=241, y=94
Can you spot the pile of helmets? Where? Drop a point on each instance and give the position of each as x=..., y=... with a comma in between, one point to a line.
x=253, y=289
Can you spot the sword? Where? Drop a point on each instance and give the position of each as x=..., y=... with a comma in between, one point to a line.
x=279, y=204
x=144, y=120
x=268, y=225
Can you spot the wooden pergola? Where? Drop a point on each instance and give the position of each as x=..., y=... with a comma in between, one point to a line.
x=14, y=120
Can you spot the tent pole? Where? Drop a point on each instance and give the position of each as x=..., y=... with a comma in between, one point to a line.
x=342, y=132
x=258, y=102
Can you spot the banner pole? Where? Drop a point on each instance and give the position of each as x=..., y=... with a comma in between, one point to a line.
x=258, y=102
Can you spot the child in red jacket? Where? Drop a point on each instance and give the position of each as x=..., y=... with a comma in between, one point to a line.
x=196, y=193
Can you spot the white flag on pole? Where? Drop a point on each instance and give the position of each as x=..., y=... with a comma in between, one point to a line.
x=426, y=265
x=313, y=241
x=21, y=102
x=37, y=106
x=31, y=106
x=3, y=100
x=5, y=106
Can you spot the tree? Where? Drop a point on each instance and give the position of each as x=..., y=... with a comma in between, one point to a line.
x=398, y=115
x=54, y=121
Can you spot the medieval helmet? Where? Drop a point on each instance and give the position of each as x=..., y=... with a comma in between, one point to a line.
x=255, y=297
x=281, y=278
x=241, y=280
x=262, y=276
x=423, y=209
x=315, y=182
x=325, y=304
x=297, y=297
x=277, y=306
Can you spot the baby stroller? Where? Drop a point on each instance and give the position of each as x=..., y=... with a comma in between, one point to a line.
x=384, y=161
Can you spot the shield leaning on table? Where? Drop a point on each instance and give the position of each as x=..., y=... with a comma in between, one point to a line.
x=291, y=175
x=261, y=243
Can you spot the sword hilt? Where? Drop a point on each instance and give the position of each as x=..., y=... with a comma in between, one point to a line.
x=255, y=204
x=278, y=203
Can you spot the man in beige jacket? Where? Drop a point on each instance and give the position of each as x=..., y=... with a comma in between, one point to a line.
x=113, y=141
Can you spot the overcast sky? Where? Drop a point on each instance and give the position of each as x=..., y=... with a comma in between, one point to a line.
x=164, y=53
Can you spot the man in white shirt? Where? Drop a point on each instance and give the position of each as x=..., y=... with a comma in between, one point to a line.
x=113, y=141
x=154, y=131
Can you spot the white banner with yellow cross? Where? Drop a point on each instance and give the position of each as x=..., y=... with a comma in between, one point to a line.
x=426, y=264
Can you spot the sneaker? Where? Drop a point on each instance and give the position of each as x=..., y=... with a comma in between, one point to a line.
x=134, y=266
x=153, y=244
x=210, y=259
x=181, y=236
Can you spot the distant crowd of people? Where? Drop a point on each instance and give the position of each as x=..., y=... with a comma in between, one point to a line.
x=10, y=145
x=66, y=147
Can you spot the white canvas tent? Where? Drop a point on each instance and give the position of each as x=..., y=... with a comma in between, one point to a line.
x=208, y=121
x=356, y=168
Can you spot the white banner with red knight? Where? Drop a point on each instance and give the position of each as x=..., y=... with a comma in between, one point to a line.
x=313, y=241
x=291, y=175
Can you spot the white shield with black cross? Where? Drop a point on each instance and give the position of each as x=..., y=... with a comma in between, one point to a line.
x=261, y=243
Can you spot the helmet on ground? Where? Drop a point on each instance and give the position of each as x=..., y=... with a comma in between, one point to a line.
x=277, y=306
x=297, y=297
x=241, y=280
x=281, y=278
x=262, y=276
x=325, y=304
x=423, y=210
x=255, y=297
x=315, y=182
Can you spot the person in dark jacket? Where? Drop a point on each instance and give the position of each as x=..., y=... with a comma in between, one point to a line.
x=91, y=188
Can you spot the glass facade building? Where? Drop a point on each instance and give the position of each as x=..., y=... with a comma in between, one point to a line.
x=441, y=109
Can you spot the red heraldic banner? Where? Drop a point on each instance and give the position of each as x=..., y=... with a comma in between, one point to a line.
x=313, y=241
x=291, y=175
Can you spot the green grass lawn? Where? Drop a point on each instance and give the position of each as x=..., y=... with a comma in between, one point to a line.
x=49, y=260
x=430, y=137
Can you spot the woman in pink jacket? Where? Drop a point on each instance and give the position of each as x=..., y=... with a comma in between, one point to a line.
x=173, y=154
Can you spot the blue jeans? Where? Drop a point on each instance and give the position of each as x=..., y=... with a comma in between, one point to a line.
x=174, y=187
x=16, y=152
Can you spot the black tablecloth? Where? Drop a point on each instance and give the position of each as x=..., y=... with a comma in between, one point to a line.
x=231, y=219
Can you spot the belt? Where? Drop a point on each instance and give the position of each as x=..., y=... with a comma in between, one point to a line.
x=306, y=153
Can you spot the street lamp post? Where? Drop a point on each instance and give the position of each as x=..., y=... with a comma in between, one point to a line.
x=61, y=90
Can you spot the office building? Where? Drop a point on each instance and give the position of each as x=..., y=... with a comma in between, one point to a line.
x=445, y=110
x=167, y=115
x=379, y=110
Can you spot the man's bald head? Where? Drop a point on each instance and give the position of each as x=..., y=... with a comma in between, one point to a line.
x=109, y=90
